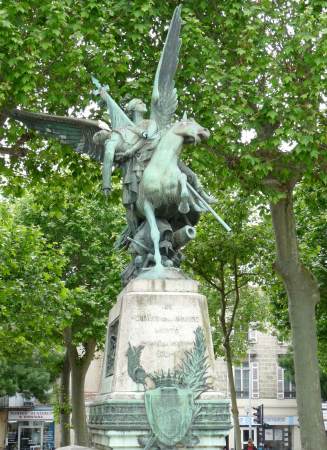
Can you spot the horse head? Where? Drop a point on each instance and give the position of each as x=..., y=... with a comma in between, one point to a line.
x=190, y=131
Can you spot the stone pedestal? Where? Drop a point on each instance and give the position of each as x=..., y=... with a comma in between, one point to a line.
x=161, y=316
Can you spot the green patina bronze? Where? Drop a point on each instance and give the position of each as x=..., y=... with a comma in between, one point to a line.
x=163, y=198
x=171, y=406
x=125, y=415
x=170, y=413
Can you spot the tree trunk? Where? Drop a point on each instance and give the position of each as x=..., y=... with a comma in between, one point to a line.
x=79, y=366
x=78, y=404
x=303, y=295
x=235, y=414
x=65, y=403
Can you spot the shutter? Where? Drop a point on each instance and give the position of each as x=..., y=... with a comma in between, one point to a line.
x=252, y=335
x=280, y=383
x=255, y=379
x=237, y=380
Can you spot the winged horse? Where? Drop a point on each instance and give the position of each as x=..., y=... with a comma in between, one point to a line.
x=162, y=190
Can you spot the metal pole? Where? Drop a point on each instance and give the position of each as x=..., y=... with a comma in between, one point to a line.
x=250, y=395
x=209, y=208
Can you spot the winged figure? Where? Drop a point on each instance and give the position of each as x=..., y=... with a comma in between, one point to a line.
x=162, y=196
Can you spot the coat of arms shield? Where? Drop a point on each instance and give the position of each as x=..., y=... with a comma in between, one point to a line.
x=169, y=411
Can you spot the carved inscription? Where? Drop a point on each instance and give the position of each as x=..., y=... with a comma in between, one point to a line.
x=166, y=330
x=151, y=318
x=164, y=325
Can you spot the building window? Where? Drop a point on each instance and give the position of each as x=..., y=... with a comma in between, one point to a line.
x=278, y=437
x=252, y=336
x=243, y=378
x=246, y=434
x=285, y=387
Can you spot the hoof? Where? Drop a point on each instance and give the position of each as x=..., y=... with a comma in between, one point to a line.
x=168, y=263
x=198, y=208
x=159, y=267
x=184, y=208
x=209, y=199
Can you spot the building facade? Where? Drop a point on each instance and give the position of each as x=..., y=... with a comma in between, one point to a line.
x=25, y=424
x=261, y=381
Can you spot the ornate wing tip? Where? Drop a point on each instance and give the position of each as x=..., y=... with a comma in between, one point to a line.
x=177, y=11
x=176, y=20
x=164, y=96
x=173, y=38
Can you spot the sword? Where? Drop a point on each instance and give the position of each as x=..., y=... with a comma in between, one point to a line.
x=99, y=87
x=208, y=207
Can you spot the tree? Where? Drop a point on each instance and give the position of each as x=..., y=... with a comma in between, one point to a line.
x=30, y=374
x=84, y=227
x=229, y=265
x=31, y=290
x=310, y=207
x=31, y=296
x=40, y=33
x=63, y=402
x=268, y=81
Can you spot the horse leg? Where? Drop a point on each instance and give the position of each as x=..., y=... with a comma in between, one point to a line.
x=154, y=231
x=184, y=207
x=195, y=206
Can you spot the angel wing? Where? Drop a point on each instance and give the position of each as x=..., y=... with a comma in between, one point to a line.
x=77, y=133
x=164, y=95
x=117, y=116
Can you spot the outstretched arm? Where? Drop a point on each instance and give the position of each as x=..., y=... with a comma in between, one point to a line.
x=117, y=116
x=110, y=147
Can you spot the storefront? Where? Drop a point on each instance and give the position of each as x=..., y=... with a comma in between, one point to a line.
x=278, y=438
x=30, y=430
x=278, y=432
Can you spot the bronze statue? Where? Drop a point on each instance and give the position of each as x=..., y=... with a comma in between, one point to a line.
x=162, y=196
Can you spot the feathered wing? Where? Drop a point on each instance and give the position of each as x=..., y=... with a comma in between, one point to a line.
x=77, y=133
x=164, y=95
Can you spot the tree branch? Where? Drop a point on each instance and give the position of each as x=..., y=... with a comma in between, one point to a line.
x=204, y=276
x=240, y=287
x=17, y=150
x=72, y=351
x=13, y=152
x=223, y=303
x=237, y=298
x=89, y=346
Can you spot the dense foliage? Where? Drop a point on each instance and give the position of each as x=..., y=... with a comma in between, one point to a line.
x=84, y=226
x=232, y=267
x=33, y=305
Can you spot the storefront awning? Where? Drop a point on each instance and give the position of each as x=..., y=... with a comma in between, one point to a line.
x=271, y=420
x=20, y=416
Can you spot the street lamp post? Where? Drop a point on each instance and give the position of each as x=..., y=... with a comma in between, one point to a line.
x=250, y=395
